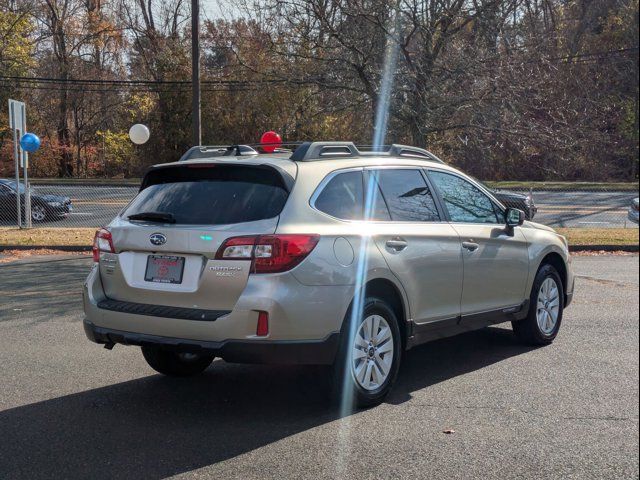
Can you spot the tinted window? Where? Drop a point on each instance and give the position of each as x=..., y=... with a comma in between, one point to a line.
x=342, y=197
x=212, y=196
x=407, y=195
x=465, y=202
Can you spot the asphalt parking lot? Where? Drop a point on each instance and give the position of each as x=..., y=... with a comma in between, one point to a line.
x=71, y=409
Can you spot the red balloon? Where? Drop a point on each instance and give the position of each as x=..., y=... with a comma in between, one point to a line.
x=271, y=140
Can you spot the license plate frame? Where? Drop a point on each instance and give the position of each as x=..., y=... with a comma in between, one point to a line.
x=158, y=262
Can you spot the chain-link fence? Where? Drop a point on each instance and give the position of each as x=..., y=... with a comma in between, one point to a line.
x=64, y=205
x=95, y=203
x=577, y=206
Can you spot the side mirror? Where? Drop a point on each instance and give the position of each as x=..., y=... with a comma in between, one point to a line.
x=514, y=218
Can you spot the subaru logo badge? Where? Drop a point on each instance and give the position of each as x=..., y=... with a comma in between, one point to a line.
x=157, y=239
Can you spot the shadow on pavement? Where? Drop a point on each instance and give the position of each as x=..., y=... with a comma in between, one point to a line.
x=25, y=288
x=154, y=427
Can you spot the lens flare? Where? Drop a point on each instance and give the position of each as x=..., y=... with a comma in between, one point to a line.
x=362, y=267
x=386, y=87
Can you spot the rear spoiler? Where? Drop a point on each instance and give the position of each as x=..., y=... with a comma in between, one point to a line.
x=195, y=171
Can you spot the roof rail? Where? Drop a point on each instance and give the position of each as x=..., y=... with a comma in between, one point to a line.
x=408, y=151
x=207, y=151
x=310, y=151
x=313, y=151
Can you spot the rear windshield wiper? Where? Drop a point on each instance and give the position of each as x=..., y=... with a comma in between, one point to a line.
x=153, y=217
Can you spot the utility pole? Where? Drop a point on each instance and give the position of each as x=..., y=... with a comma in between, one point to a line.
x=195, y=71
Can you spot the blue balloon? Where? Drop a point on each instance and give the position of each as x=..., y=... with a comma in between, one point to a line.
x=30, y=142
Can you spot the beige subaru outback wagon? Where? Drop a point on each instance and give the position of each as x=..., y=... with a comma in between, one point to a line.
x=328, y=255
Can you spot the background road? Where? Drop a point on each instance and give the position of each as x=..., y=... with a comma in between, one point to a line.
x=95, y=206
x=69, y=408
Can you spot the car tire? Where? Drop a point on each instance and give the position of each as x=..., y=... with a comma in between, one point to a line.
x=175, y=364
x=546, y=306
x=367, y=363
x=38, y=213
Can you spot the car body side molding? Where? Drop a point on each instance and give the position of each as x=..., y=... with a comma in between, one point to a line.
x=426, y=332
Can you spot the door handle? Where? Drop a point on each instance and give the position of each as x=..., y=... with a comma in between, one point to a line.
x=397, y=244
x=472, y=247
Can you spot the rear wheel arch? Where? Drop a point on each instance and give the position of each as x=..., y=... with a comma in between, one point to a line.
x=386, y=290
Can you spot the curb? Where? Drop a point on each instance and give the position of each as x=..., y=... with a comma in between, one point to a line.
x=87, y=248
x=604, y=248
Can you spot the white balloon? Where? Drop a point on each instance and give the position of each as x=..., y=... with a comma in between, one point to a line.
x=139, y=134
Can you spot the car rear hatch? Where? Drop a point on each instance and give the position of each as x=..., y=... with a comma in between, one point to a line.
x=165, y=241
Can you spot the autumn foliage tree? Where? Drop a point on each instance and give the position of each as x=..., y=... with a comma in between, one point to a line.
x=506, y=89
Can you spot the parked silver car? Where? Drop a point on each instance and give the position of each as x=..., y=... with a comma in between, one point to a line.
x=330, y=255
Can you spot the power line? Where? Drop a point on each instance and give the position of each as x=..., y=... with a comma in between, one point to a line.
x=231, y=82
x=76, y=88
x=134, y=82
x=92, y=85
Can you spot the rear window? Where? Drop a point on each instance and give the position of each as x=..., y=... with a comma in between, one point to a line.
x=216, y=195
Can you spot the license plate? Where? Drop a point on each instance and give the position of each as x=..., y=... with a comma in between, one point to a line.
x=164, y=269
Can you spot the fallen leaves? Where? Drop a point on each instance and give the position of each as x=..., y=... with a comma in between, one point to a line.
x=46, y=236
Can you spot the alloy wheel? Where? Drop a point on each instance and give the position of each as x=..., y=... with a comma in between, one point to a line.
x=38, y=213
x=372, y=352
x=548, y=308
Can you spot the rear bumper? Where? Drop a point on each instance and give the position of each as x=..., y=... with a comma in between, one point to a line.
x=196, y=314
x=303, y=322
x=301, y=352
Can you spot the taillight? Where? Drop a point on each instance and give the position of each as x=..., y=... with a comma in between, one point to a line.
x=102, y=242
x=279, y=253
x=237, y=248
x=268, y=253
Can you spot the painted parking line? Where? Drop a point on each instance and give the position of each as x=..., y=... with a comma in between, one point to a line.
x=583, y=207
x=581, y=210
x=594, y=223
x=100, y=202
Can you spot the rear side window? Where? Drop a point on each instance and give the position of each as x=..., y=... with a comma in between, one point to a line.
x=407, y=195
x=217, y=195
x=342, y=196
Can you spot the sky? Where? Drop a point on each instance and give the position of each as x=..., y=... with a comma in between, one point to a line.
x=213, y=8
